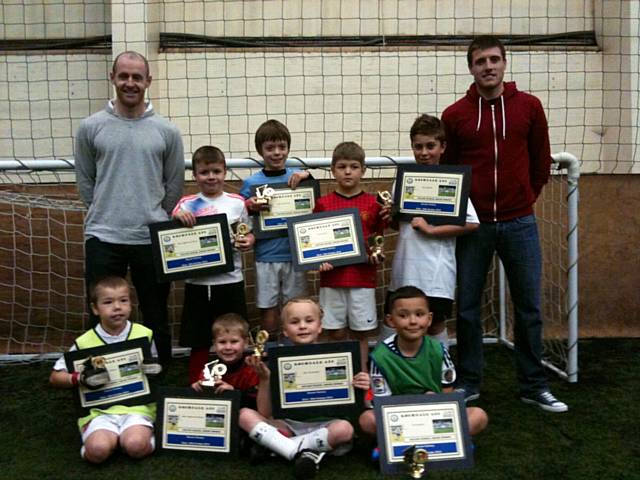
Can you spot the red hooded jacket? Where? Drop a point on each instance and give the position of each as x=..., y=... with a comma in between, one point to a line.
x=506, y=142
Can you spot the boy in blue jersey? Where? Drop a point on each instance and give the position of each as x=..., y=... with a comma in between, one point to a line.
x=276, y=281
x=103, y=430
x=409, y=362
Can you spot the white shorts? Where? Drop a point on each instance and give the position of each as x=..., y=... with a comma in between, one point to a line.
x=115, y=423
x=278, y=282
x=357, y=305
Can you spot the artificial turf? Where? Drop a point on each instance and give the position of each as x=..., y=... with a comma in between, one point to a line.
x=597, y=439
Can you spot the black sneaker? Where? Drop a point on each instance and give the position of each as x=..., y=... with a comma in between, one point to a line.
x=307, y=464
x=470, y=393
x=258, y=454
x=546, y=401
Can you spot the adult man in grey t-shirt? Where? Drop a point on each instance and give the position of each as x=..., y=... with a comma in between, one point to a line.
x=130, y=173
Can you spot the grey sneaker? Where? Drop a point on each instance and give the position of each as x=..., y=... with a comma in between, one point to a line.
x=307, y=464
x=546, y=401
x=470, y=393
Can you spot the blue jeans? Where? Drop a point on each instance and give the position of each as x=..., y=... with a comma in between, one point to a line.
x=517, y=244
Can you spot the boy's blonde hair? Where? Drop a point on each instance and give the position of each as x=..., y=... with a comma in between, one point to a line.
x=231, y=323
x=348, y=151
x=207, y=154
x=271, y=130
x=428, y=125
x=111, y=281
x=283, y=313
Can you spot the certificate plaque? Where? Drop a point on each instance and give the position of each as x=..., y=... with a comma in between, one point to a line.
x=439, y=193
x=312, y=380
x=186, y=252
x=436, y=423
x=197, y=421
x=283, y=204
x=335, y=237
x=123, y=360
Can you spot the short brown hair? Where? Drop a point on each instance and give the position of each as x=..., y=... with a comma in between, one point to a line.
x=300, y=300
x=111, y=281
x=207, y=154
x=402, y=293
x=428, y=125
x=229, y=323
x=131, y=54
x=271, y=130
x=348, y=151
x=484, y=42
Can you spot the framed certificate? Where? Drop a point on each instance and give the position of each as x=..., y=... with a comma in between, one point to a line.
x=183, y=252
x=284, y=203
x=439, y=193
x=197, y=421
x=335, y=237
x=128, y=385
x=311, y=380
x=435, y=423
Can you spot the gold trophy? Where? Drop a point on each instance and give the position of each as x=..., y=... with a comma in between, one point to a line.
x=384, y=198
x=213, y=372
x=376, y=244
x=261, y=337
x=241, y=230
x=415, y=459
x=264, y=194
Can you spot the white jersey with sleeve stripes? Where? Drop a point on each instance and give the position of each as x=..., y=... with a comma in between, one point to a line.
x=379, y=384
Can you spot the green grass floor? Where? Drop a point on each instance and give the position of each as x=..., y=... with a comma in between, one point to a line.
x=599, y=438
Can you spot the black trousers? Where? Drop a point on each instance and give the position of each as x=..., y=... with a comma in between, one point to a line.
x=103, y=259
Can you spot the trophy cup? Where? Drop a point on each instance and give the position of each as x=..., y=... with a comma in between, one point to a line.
x=385, y=199
x=213, y=372
x=415, y=459
x=376, y=244
x=241, y=230
x=261, y=337
x=264, y=194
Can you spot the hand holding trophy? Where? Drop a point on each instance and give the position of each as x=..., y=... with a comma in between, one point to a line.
x=415, y=459
x=259, y=341
x=240, y=232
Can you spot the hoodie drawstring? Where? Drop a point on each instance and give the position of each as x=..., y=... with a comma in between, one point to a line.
x=504, y=117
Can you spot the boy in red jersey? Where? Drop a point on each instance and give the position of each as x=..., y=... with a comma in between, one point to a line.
x=348, y=294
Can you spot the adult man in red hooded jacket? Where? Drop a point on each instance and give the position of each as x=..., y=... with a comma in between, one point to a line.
x=502, y=133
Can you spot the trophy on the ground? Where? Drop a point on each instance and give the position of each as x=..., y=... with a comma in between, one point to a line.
x=213, y=372
x=385, y=199
x=259, y=340
x=240, y=231
x=264, y=194
x=376, y=244
x=415, y=459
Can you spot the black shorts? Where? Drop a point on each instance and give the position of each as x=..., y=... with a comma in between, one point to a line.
x=202, y=305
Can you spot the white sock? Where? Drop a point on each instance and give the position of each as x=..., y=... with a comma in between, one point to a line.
x=269, y=436
x=442, y=337
x=317, y=440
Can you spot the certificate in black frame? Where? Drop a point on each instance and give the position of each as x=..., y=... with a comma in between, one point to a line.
x=463, y=172
x=281, y=230
x=298, y=228
x=197, y=265
x=196, y=444
x=279, y=355
x=118, y=347
x=454, y=401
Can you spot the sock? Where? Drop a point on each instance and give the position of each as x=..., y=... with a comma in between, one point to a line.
x=317, y=440
x=197, y=360
x=442, y=337
x=268, y=436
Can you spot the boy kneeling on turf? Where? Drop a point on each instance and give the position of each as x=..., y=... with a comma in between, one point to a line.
x=409, y=362
x=306, y=442
x=103, y=430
